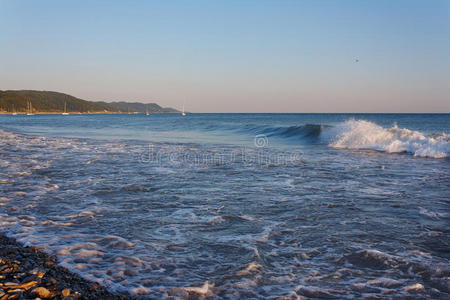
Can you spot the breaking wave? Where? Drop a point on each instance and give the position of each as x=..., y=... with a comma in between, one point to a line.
x=308, y=131
x=365, y=135
x=360, y=134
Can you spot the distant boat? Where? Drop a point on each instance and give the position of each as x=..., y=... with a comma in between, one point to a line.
x=29, y=109
x=146, y=111
x=65, y=113
x=14, y=111
x=182, y=111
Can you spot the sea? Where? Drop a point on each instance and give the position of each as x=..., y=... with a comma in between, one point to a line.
x=235, y=206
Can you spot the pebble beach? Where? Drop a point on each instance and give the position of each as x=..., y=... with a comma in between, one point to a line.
x=29, y=273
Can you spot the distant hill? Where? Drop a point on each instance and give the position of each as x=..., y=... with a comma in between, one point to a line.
x=47, y=101
x=139, y=107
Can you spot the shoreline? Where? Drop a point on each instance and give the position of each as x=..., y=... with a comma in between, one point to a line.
x=29, y=273
x=83, y=113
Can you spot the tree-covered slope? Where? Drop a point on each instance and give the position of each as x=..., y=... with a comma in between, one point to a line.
x=140, y=107
x=46, y=101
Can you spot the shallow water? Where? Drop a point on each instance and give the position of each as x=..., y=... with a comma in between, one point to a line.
x=336, y=206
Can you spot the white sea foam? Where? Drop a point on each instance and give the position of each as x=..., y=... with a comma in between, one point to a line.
x=129, y=261
x=141, y=291
x=431, y=214
x=360, y=134
x=206, y=289
x=53, y=223
x=414, y=288
x=85, y=213
x=112, y=241
x=251, y=268
x=385, y=282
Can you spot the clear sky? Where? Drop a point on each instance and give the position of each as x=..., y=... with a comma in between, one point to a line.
x=234, y=56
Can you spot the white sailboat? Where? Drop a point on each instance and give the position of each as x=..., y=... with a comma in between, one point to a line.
x=14, y=111
x=65, y=113
x=29, y=109
x=146, y=111
x=182, y=111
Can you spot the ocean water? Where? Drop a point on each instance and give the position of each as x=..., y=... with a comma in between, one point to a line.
x=235, y=205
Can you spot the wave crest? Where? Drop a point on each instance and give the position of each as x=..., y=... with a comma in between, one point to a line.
x=307, y=131
x=360, y=134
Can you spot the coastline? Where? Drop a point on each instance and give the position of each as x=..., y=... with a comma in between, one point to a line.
x=29, y=273
x=70, y=113
x=87, y=113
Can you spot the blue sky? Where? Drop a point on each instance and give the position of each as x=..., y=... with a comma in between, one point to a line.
x=233, y=56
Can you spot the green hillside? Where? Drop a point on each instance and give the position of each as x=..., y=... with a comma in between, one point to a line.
x=140, y=107
x=53, y=102
x=45, y=101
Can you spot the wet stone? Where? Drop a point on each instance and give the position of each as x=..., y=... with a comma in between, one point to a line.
x=43, y=293
x=29, y=273
x=29, y=278
x=12, y=297
x=65, y=292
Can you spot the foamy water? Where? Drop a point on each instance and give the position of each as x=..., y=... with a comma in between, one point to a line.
x=367, y=135
x=163, y=219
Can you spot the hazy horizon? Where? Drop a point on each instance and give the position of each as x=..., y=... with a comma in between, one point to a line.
x=233, y=56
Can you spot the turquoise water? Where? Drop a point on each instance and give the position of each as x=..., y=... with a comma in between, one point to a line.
x=237, y=205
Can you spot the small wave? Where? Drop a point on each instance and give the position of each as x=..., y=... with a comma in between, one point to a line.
x=307, y=131
x=360, y=134
x=373, y=258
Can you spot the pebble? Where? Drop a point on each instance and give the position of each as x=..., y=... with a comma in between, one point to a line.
x=49, y=263
x=29, y=278
x=43, y=292
x=28, y=273
x=38, y=273
x=24, y=286
x=15, y=291
x=8, y=284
